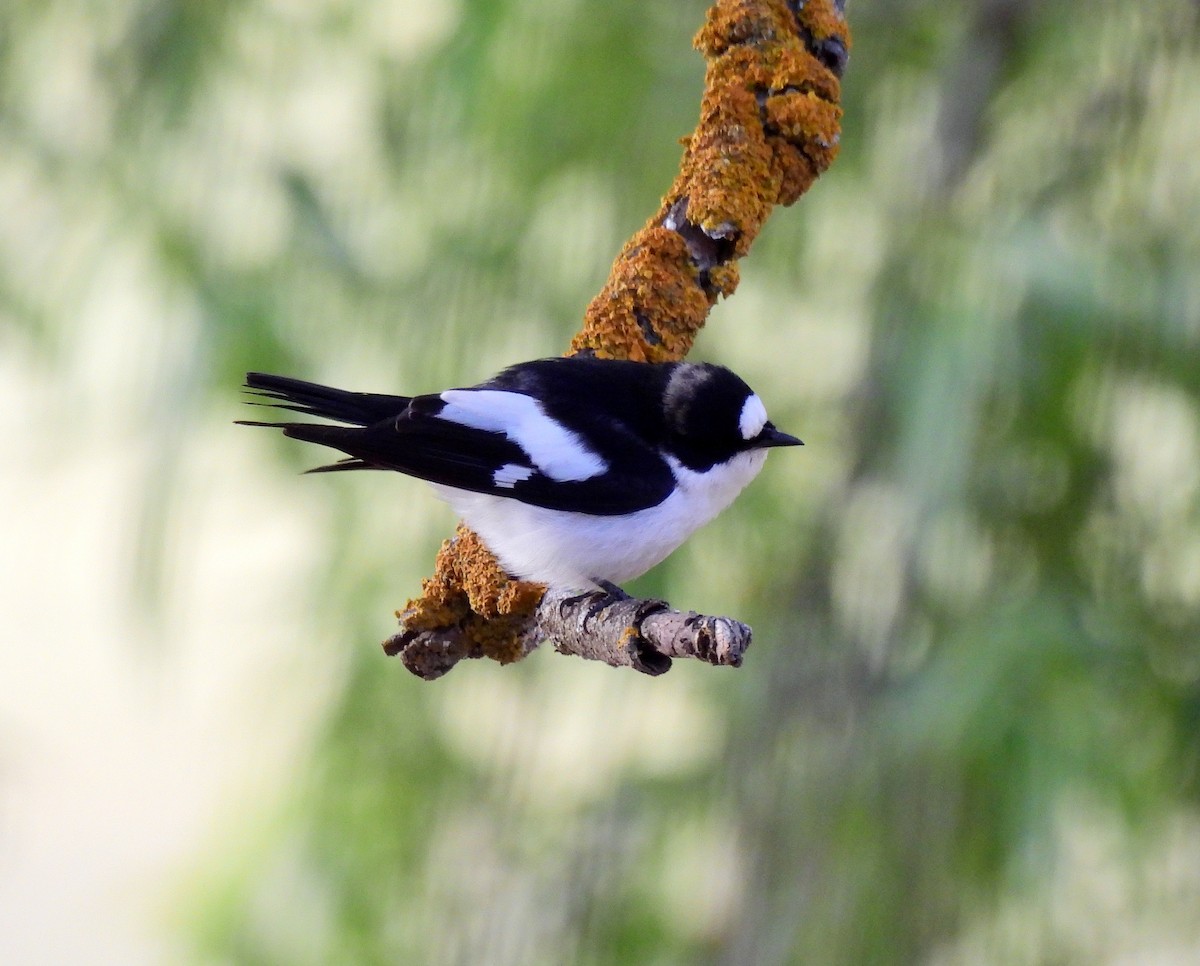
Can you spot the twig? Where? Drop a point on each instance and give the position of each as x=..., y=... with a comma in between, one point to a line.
x=642, y=634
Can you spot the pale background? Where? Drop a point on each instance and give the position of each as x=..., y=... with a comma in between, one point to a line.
x=968, y=728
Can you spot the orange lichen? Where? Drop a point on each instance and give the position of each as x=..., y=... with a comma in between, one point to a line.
x=651, y=307
x=769, y=125
x=466, y=576
x=824, y=20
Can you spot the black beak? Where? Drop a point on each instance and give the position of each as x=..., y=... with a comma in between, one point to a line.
x=770, y=436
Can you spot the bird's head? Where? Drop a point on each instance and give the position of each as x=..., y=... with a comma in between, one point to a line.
x=713, y=416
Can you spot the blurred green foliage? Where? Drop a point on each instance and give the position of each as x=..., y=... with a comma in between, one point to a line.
x=969, y=728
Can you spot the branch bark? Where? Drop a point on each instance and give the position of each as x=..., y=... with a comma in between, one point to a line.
x=769, y=126
x=641, y=634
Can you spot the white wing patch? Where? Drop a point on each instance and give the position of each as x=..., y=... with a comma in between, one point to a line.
x=510, y=474
x=556, y=451
x=753, y=418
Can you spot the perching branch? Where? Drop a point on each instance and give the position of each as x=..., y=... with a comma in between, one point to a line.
x=769, y=126
x=642, y=634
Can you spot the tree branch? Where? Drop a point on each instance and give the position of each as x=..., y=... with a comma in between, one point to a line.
x=769, y=126
x=642, y=634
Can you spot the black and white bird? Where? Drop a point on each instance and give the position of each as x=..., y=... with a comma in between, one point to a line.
x=576, y=472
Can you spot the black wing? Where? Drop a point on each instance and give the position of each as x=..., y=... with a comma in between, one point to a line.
x=420, y=441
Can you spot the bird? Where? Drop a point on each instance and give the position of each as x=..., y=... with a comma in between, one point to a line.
x=579, y=473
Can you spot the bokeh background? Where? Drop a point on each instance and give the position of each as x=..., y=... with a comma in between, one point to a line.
x=968, y=730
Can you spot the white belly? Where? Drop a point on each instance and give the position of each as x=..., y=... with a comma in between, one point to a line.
x=573, y=550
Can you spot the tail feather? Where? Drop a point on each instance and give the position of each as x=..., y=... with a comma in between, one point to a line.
x=359, y=443
x=361, y=410
x=350, y=463
x=357, y=408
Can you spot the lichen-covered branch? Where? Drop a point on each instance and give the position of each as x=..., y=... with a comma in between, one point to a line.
x=642, y=634
x=769, y=125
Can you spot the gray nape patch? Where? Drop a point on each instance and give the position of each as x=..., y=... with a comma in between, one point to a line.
x=682, y=389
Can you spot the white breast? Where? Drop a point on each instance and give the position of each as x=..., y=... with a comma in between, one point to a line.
x=573, y=550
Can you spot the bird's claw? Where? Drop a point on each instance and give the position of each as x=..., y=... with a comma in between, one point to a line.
x=613, y=591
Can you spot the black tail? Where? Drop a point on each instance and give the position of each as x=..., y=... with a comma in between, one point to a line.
x=357, y=408
x=360, y=409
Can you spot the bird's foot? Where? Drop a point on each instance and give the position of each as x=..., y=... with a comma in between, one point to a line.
x=613, y=591
x=608, y=594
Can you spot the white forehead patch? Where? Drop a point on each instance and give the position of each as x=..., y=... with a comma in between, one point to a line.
x=510, y=474
x=556, y=451
x=753, y=418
